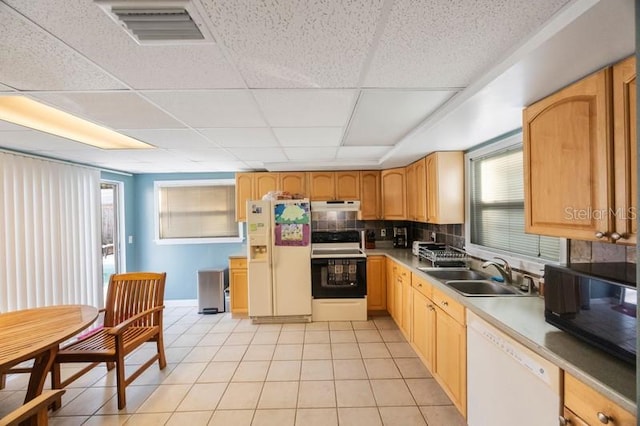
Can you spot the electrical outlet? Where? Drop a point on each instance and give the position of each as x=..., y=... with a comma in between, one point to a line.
x=383, y=232
x=433, y=236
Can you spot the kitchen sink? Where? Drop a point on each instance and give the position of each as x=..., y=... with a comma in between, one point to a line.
x=455, y=274
x=482, y=288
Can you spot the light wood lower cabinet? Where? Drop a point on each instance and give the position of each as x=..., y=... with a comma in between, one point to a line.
x=451, y=358
x=238, y=286
x=376, y=283
x=424, y=329
x=585, y=406
x=391, y=271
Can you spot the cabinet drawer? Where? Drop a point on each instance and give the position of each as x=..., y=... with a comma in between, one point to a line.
x=588, y=404
x=238, y=263
x=450, y=306
x=404, y=273
x=421, y=285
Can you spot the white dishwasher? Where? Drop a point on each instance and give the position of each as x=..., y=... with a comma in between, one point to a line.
x=508, y=384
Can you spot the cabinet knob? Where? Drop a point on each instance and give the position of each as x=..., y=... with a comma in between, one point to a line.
x=445, y=303
x=419, y=284
x=600, y=234
x=563, y=421
x=615, y=236
x=604, y=419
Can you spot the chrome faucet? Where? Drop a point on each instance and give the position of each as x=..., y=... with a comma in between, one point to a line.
x=504, y=269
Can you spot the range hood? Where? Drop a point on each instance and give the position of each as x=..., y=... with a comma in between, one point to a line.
x=333, y=206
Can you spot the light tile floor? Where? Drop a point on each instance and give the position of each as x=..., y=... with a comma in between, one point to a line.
x=226, y=371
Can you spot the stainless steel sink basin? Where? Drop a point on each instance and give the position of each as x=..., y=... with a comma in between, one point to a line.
x=482, y=288
x=455, y=274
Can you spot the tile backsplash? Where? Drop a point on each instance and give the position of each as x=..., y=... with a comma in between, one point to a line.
x=588, y=251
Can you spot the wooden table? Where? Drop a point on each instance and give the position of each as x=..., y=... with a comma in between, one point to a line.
x=35, y=334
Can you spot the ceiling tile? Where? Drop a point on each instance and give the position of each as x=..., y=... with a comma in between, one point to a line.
x=33, y=60
x=384, y=117
x=259, y=154
x=310, y=154
x=171, y=138
x=309, y=136
x=5, y=125
x=241, y=137
x=305, y=108
x=428, y=44
x=117, y=110
x=281, y=44
x=214, y=166
x=208, y=154
x=4, y=88
x=93, y=33
x=362, y=152
x=210, y=108
x=29, y=140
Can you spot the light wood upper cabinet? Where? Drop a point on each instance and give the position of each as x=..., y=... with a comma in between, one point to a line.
x=421, y=190
x=293, y=182
x=394, y=194
x=444, y=173
x=244, y=192
x=580, y=159
x=347, y=185
x=370, y=195
x=263, y=183
x=567, y=145
x=376, y=283
x=410, y=182
x=625, y=149
x=322, y=186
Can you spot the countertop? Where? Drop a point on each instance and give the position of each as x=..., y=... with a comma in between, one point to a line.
x=522, y=318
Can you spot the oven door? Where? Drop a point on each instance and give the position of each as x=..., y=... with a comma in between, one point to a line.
x=336, y=278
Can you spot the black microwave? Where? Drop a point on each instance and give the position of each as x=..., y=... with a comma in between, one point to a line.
x=596, y=302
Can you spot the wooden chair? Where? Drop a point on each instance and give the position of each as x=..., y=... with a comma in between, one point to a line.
x=132, y=316
x=34, y=412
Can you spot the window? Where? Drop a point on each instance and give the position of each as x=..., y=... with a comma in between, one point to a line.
x=496, y=205
x=196, y=212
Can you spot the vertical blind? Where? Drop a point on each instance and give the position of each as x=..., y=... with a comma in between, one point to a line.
x=202, y=211
x=497, y=207
x=49, y=233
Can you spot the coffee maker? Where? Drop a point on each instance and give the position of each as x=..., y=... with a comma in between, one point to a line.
x=400, y=237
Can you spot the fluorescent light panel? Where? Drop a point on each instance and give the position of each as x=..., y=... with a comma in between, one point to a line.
x=35, y=115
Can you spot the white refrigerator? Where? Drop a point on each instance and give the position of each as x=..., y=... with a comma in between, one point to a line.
x=279, y=258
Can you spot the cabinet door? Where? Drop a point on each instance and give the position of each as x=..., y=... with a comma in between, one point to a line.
x=397, y=301
x=394, y=194
x=238, y=291
x=293, y=182
x=572, y=419
x=444, y=186
x=376, y=288
x=391, y=279
x=451, y=358
x=431, y=170
x=370, y=195
x=407, y=307
x=244, y=192
x=567, y=146
x=625, y=149
x=410, y=181
x=347, y=185
x=420, y=191
x=424, y=327
x=321, y=186
x=263, y=183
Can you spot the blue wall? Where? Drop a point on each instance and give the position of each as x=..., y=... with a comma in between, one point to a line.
x=181, y=262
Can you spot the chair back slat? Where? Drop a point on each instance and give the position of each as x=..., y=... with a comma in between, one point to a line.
x=132, y=293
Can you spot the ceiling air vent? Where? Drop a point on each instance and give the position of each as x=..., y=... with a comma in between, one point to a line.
x=158, y=21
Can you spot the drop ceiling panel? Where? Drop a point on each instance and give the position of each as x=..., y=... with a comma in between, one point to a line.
x=384, y=117
x=285, y=44
x=4, y=88
x=308, y=136
x=449, y=43
x=310, y=154
x=89, y=30
x=211, y=108
x=258, y=154
x=171, y=138
x=208, y=154
x=30, y=140
x=117, y=110
x=258, y=137
x=305, y=108
x=5, y=125
x=362, y=152
x=33, y=60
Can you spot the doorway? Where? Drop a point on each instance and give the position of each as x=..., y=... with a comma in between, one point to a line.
x=111, y=247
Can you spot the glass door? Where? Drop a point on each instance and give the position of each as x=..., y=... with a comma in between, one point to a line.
x=110, y=230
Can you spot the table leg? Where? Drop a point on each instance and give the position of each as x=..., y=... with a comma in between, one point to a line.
x=41, y=366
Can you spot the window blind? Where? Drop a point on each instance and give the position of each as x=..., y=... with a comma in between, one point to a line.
x=497, y=206
x=203, y=211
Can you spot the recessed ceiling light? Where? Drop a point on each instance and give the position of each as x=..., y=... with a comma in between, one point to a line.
x=35, y=115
